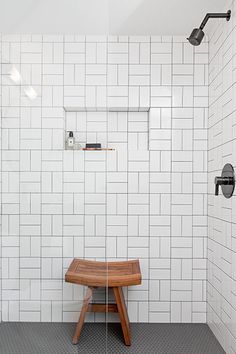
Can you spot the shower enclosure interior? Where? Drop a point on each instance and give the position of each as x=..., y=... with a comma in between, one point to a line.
x=160, y=108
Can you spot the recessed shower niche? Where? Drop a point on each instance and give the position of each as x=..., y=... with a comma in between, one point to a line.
x=113, y=128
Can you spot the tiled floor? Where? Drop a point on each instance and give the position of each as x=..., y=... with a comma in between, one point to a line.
x=55, y=338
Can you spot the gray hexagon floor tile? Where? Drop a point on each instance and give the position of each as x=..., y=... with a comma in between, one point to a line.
x=98, y=338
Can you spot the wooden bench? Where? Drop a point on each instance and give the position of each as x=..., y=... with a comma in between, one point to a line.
x=113, y=275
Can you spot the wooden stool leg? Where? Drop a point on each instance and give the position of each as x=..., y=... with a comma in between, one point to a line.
x=84, y=309
x=124, y=319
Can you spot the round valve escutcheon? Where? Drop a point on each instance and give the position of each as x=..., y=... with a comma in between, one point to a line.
x=226, y=181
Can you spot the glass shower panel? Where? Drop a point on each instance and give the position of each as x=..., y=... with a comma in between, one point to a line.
x=54, y=199
x=129, y=213
x=1, y=186
x=10, y=176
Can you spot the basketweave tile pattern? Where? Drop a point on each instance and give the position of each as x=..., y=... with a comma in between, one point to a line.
x=0, y=181
x=221, y=299
x=147, y=199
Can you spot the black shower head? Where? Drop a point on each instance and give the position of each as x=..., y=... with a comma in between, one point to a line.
x=197, y=34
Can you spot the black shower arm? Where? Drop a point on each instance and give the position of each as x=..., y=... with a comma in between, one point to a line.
x=215, y=15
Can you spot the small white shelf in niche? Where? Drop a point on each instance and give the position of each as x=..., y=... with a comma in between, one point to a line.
x=114, y=128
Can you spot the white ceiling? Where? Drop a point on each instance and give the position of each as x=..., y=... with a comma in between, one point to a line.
x=156, y=17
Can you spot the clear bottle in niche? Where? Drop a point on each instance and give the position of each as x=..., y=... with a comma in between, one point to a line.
x=70, y=143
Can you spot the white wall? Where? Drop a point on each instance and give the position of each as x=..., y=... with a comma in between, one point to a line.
x=63, y=16
x=222, y=217
x=136, y=17
x=139, y=201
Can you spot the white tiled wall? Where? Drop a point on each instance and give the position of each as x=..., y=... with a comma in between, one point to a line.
x=221, y=309
x=1, y=185
x=147, y=199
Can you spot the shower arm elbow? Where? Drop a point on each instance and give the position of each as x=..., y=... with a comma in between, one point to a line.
x=206, y=18
x=226, y=15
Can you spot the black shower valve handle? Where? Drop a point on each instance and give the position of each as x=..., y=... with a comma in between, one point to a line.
x=226, y=181
x=219, y=181
x=216, y=187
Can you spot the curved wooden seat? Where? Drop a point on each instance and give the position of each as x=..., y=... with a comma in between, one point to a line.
x=104, y=274
x=113, y=275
